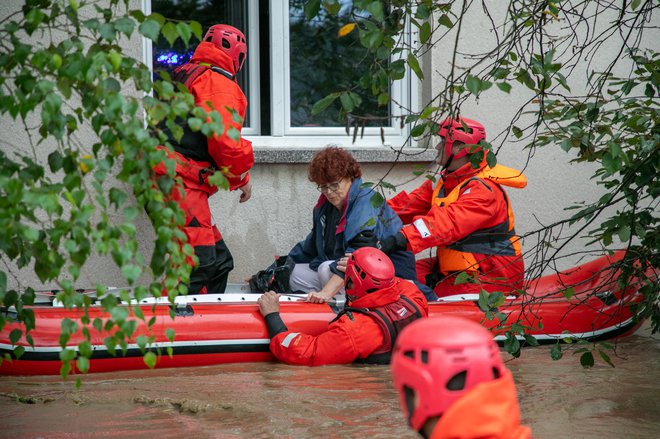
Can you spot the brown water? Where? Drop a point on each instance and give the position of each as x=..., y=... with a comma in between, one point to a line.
x=559, y=399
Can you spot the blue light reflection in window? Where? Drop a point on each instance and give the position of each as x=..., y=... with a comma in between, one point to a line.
x=171, y=59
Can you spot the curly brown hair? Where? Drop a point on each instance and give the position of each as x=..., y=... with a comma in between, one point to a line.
x=331, y=164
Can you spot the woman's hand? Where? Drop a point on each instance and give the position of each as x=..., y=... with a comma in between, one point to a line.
x=269, y=303
x=318, y=297
x=341, y=264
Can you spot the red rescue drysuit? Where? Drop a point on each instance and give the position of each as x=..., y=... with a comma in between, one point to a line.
x=366, y=333
x=489, y=410
x=210, y=78
x=468, y=217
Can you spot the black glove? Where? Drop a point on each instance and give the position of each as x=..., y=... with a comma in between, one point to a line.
x=366, y=238
x=393, y=243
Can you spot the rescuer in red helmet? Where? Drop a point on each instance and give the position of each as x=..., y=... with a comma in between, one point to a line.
x=210, y=76
x=378, y=306
x=452, y=382
x=466, y=215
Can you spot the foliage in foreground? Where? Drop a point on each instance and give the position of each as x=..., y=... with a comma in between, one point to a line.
x=65, y=70
x=538, y=47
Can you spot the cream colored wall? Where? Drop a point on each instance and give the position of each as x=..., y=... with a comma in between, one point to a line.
x=279, y=213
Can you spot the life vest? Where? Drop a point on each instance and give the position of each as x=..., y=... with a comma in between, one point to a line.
x=391, y=319
x=499, y=240
x=193, y=144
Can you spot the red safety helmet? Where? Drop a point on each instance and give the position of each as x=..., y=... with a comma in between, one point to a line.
x=230, y=40
x=368, y=269
x=437, y=360
x=464, y=130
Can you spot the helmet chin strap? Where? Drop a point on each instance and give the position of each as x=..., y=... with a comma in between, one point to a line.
x=446, y=165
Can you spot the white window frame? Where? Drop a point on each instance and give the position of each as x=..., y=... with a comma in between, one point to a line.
x=283, y=135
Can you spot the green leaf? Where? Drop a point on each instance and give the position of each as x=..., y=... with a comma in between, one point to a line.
x=184, y=32
x=377, y=200
x=502, y=317
x=516, y=132
x=425, y=32
x=414, y=65
x=462, y=278
x=504, y=86
x=426, y=113
x=83, y=364
x=587, y=360
x=624, y=233
x=195, y=123
x=196, y=28
x=141, y=341
x=491, y=159
x=473, y=84
x=555, y=352
x=418, y=129
x=605, y=357
x=444, y=20
x=376, y=10
x=483, y=299
x=55, y=161
x=150, y=29
x=18, y=352
x=115, y=59
x=219, y=180
x=131, y=273
x=107, y=31
x=512, y=344
x=67, y=354
x=649, y=92
x=312, y=8
x=150, y=359
x=234, y=134
x=170, y=32
x=422, y=12
x=324, y=103
x=332, y=6
x=125, y=25
x=531, y=340
x=15, y=336
x=372, y=38
x=346, y=102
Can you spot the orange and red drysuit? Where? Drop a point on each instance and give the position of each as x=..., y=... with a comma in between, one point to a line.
x=210, y=78
x=489, y=410
x=468, y=217
x=365, y=333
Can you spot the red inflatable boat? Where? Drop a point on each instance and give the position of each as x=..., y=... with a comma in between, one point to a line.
x=581, y=303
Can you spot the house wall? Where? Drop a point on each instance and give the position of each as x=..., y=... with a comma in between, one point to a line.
x=279, y=213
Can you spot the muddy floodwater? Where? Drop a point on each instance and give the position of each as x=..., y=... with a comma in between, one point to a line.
x=559, y=399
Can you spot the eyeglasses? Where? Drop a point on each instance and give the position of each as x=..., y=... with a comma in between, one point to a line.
x=330, y=187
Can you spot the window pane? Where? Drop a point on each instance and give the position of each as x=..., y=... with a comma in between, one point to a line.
x=321, y=63
x=207, y=13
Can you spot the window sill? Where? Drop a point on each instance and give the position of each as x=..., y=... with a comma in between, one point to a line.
x=362, y=155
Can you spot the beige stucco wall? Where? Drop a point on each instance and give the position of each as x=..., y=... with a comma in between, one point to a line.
x=279, y=213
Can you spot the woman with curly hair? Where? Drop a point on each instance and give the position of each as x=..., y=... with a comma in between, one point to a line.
x=344, y=219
